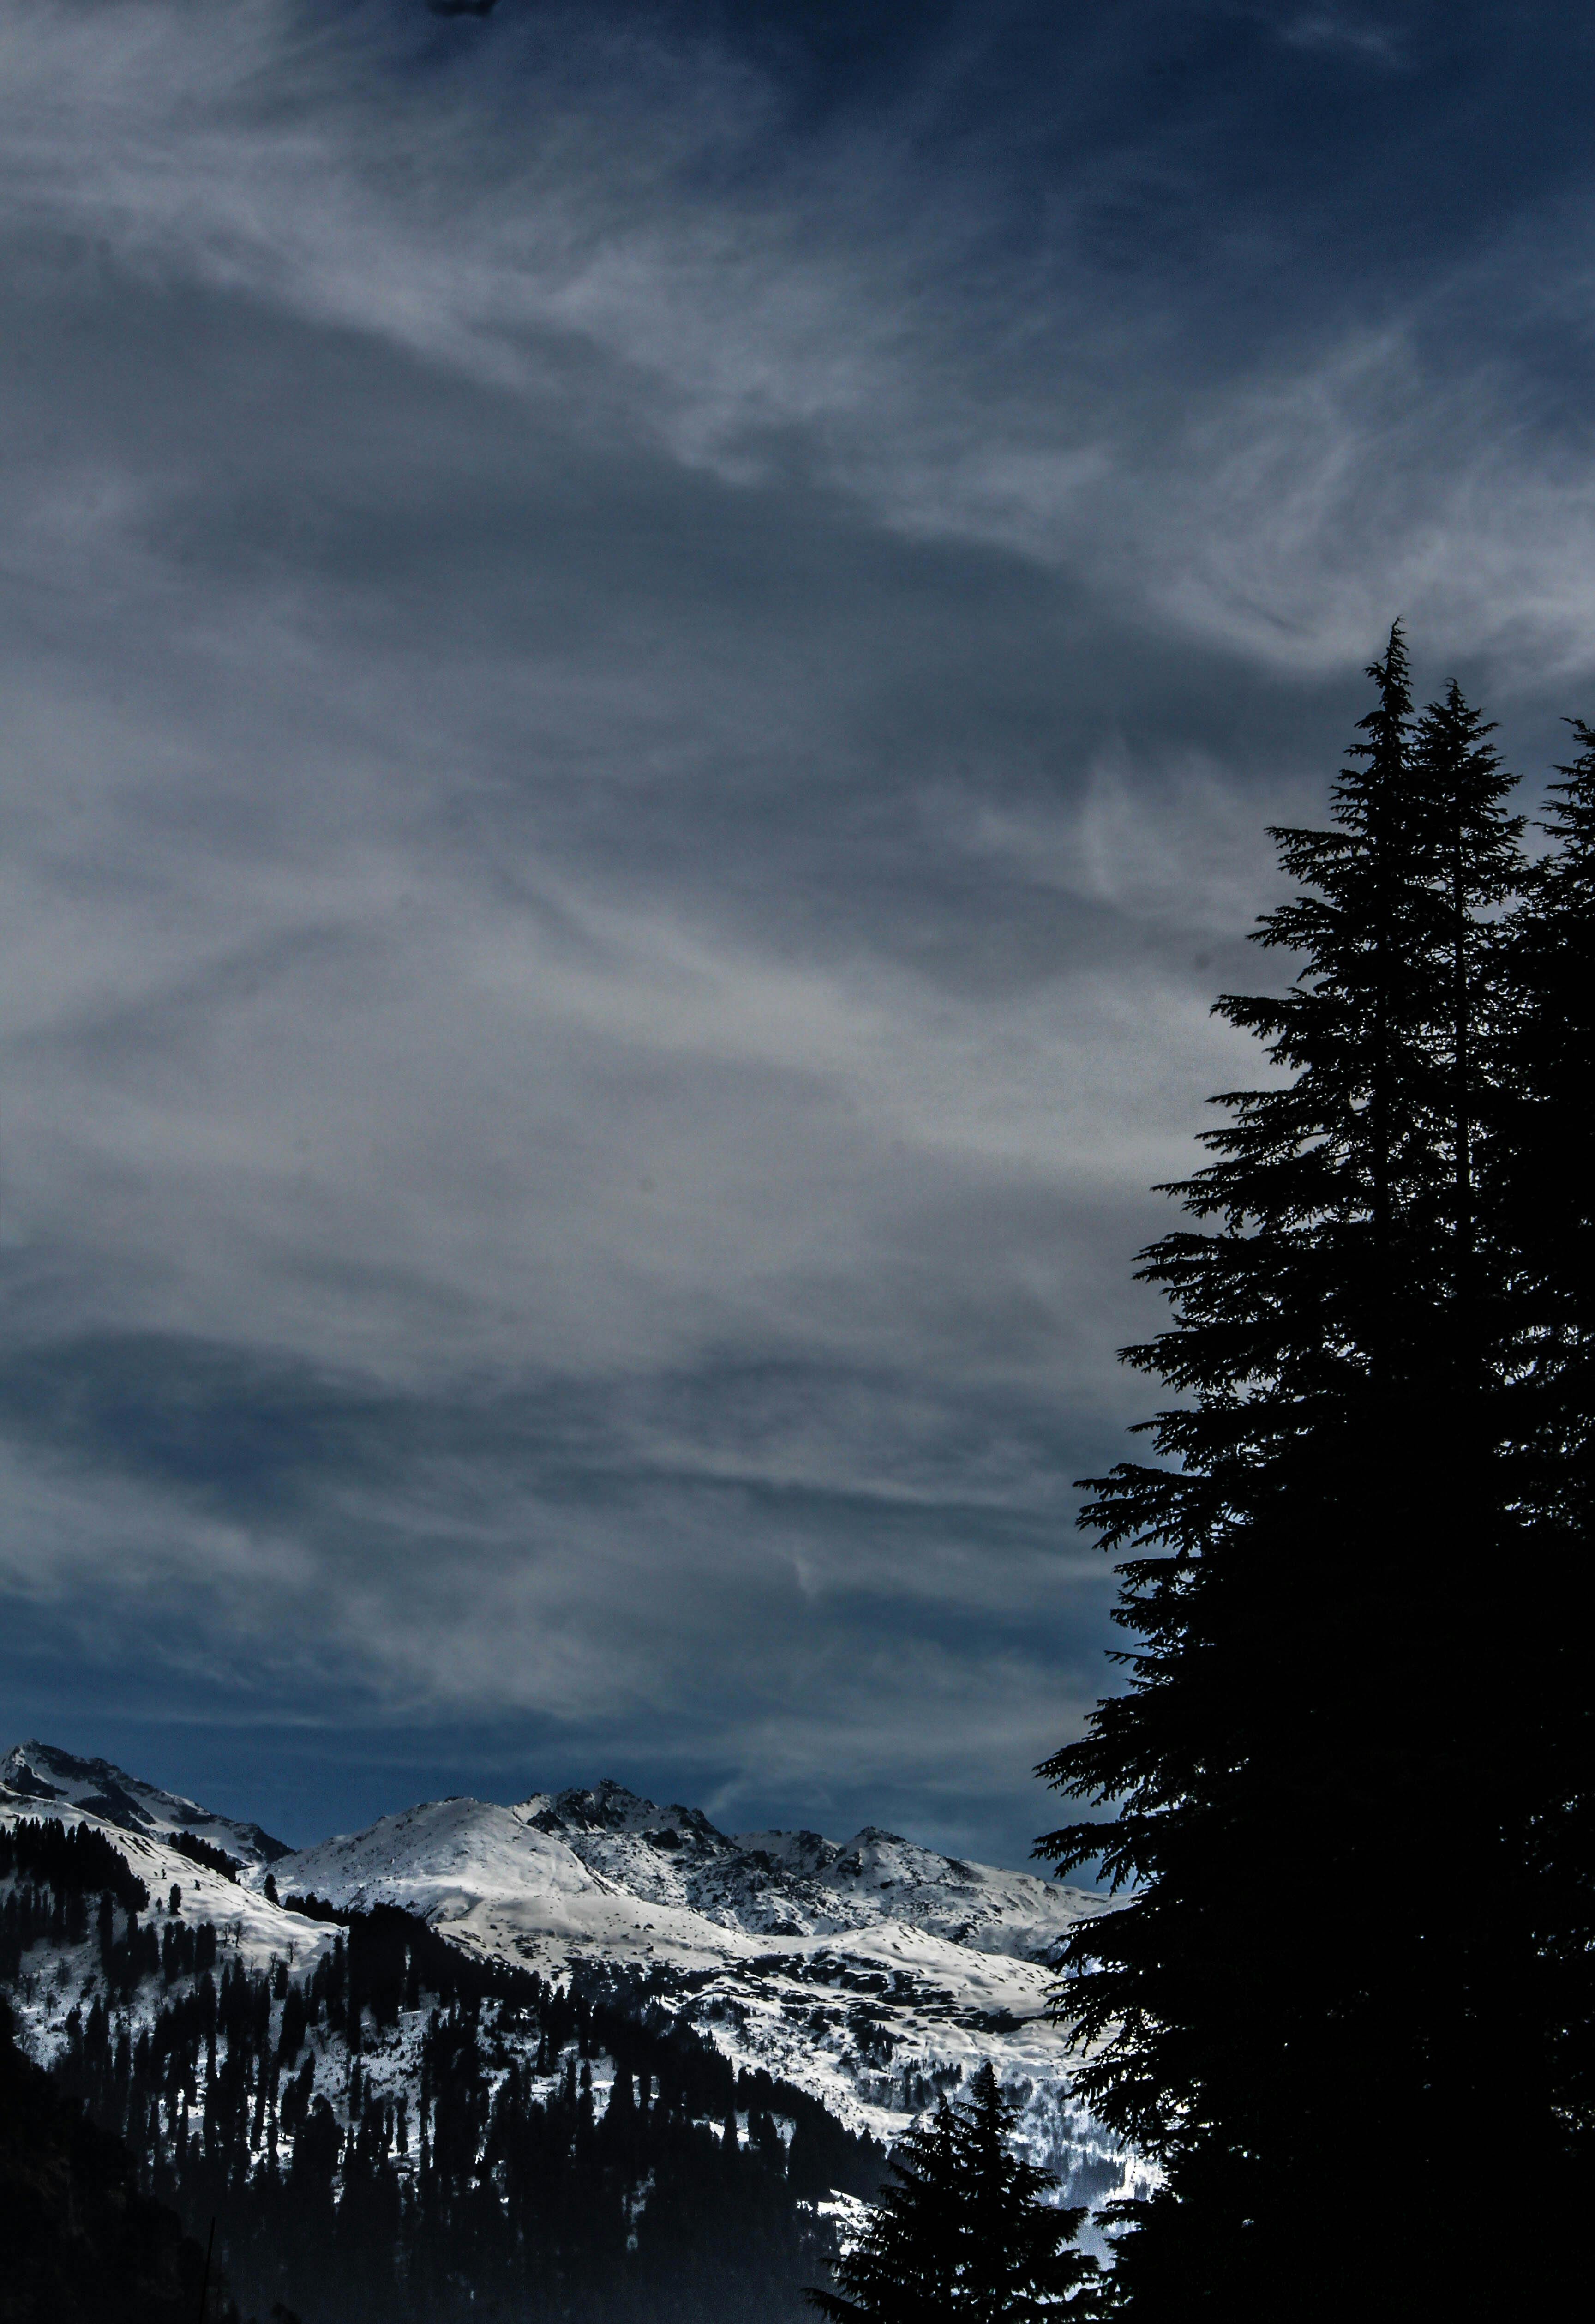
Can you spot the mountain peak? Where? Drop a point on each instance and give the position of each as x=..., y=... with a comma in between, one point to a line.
x=611, y=1806
x=872, y=1973
x=44, y=1773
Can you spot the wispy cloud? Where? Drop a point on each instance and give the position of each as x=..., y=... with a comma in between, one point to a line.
x=606, y=251
x=638, y=727
x=1338, y=28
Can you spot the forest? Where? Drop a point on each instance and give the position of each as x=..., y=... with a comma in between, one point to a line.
x=243, y=2096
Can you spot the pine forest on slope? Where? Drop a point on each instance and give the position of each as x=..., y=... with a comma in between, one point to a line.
x=584, y=2025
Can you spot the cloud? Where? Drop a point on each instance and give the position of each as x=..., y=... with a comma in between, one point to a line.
x=604, y=251
x=1332, y=28
x=276, y=1540
x=644, y=678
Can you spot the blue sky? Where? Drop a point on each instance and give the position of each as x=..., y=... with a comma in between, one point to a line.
x=645, y=650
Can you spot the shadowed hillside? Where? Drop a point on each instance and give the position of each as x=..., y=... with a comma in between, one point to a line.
x=82, y=2244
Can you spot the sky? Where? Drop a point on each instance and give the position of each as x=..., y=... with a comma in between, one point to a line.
x=646, y=653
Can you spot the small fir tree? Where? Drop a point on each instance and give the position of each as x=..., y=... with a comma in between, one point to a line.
x=962, y=2233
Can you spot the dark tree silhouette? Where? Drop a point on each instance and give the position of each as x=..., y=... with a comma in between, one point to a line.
x=80, y=2245
x=1326, y=1769
x=961, y=2233
x=254, y=2100
x=1545, y=1057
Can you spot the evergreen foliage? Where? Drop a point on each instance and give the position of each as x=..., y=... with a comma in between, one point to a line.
x=254, y=2096
x=1546, y=1063
x=79, y=2244
x=961, y=2233
x=73, y=1859
x=205, y=1851
x=1350, y=1779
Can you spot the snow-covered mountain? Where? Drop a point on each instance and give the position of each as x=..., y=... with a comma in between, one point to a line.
x=53, y=1780
x=247, y=1926
x=872, y=1973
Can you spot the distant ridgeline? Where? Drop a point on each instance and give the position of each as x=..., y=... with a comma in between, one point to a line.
x=409, y=2135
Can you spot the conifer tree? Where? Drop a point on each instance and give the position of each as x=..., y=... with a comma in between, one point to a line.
x=961, y=2233
x=1319, y=1797
x=1546, y=1058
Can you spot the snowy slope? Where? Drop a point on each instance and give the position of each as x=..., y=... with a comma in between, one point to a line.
x=73, y=2002
x=588, y=1872
x=248, y=1926
x=800, y=1884
x=872, y=1972
x=37, y=1782
x=54, y=1780
x=490, y=1879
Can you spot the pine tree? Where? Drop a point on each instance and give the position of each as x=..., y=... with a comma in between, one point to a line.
x=1316, y=1795
x=961, y=2234
x=1546, y=1184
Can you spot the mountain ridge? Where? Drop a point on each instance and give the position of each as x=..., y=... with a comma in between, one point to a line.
x=55, y=1779
x=871, y=1973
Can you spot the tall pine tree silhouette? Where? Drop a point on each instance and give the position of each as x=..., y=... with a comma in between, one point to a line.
x=1546, y=1171
x=1319, y=1794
